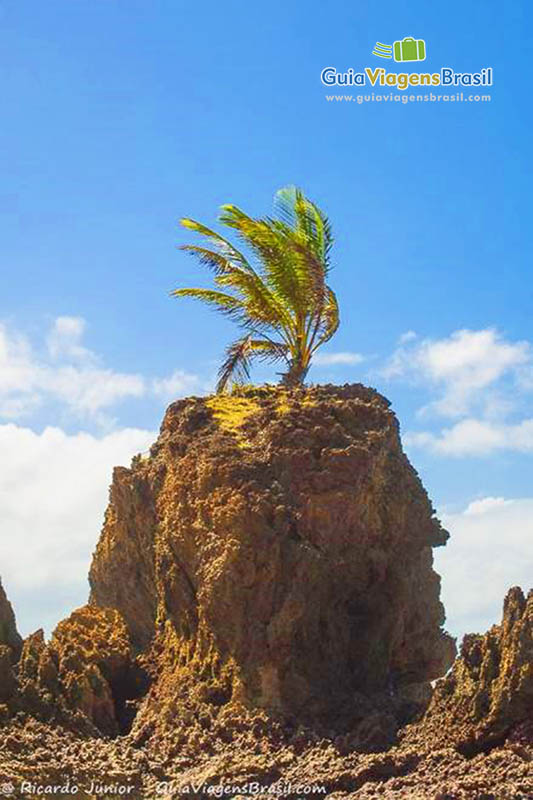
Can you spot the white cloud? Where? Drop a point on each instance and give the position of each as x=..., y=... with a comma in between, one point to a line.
x=408, y=336
x=490, y=550
x=473, y=437
x=175, y=385
x=53, y=492
x=64, y=339
x=485, y=505
x=67, y=373
x=53, y=485
x=72, y=376
x=330, y=359
x=479, y=379
x=461, y=368
x=17, y=392
x=87, y=391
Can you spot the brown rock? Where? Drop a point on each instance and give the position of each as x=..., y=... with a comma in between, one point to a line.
x=272, y=563
x=8, y=628
x=490, y=689
x=92, y=651
x=7, y=678
x=83, y=676
x=127, y=551
x=281, y=544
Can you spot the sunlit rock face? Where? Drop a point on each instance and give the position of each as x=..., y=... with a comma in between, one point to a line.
x=283, y=540
x=263, y=608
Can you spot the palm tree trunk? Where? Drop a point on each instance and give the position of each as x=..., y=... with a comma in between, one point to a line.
x=295, y=375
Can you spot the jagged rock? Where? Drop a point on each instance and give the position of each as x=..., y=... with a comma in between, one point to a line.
x=7, y=677
x=281, y=544
x=92, y=653
x=490, y=689
x=83, y=676
x=8, y=627
x=123, y=575
x=271, y=560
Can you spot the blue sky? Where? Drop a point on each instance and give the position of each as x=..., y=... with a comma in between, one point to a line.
x=120, y=116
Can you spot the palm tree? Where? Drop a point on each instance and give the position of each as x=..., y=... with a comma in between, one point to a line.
x=279, y=296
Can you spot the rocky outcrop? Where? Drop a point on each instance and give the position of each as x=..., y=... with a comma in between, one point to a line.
x=9, y=636
x=83, y=678
x=92, y=654
x=264, y=610
x=281, y=544
x=489, y=691
x=123, y=570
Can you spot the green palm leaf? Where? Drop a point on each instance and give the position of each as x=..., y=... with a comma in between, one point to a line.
x=279, y=294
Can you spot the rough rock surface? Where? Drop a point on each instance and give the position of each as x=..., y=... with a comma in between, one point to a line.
x=9, y=636
x=280, y=543
x=232, y=745
x=263, y=610
x=82, y=679
x=490, y=688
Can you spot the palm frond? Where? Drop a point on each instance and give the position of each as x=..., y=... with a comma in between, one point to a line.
x=296, y=211
x=253, y=290
x=284, y=206
x=224, y=246
x=270, y=241
x=240, y=354
x=269, y=351
x=215, y=261
x=225, y=303
x=262, y=304
x=236, y=364
x=278, y=294
x=329, y=321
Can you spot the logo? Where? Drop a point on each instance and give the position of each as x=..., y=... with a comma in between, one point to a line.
x=7, y=789
x=382, y=50
x=407, y=49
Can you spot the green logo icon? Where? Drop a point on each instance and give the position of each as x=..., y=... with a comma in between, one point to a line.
x=410, y=49
x=407, y=49
x=382, y=50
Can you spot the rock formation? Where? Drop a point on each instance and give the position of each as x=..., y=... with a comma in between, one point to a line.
x=490, y=688
x=219, y=744
x=263, y=609
x=281, y=544
x=9, y=636
x=82, y=679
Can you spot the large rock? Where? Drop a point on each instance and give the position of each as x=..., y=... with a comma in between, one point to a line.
x=9, y=636
x=269, y=565
x=279, y=544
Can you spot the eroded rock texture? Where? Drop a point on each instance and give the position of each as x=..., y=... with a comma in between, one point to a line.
x=9, y=636
x=282, y=545
x=490, y=689
x=82, y=679
x=264, y=610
